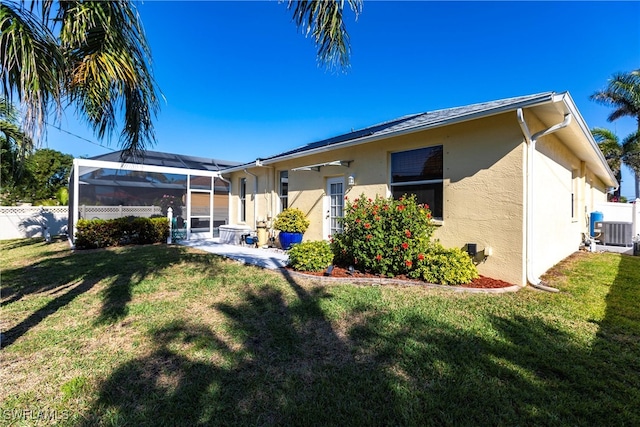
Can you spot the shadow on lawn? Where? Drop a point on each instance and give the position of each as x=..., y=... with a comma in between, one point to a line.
x=294, y=368
x=65, y=276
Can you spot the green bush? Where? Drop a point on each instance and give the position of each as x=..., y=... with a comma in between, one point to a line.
x=383, y=236
x=291, y=220
x=445, y=266
x=310, y=256
x=99, y=233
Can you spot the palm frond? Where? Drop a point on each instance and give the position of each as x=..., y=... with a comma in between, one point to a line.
x=110, y=70
x=609, y=144
x=324, y=21
x=32, y=64
x=631, y=152
x=622, y=93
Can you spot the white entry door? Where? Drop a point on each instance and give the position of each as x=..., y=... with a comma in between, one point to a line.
x=334, y=206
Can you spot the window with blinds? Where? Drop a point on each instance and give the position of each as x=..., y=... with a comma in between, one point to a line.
x=419, y=172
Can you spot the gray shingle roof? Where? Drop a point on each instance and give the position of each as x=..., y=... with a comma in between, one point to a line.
x=422, y=120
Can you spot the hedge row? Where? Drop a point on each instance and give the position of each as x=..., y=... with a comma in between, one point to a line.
x=100, y=233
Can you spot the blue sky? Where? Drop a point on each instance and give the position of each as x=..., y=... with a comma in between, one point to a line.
x=241, y=82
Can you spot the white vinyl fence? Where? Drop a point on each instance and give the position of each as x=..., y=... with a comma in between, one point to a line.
x=30, y=221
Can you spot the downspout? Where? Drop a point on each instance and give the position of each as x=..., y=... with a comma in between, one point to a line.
x=255, y=197
x=531, y=147
x=268, y=191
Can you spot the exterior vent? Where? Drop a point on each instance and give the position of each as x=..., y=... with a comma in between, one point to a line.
x=615, y=233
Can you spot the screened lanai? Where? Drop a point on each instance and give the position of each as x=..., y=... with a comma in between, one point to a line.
x=103, y=187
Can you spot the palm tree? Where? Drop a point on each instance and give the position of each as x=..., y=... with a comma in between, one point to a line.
x=612, y=150
x=94, y=56
x=623, y=93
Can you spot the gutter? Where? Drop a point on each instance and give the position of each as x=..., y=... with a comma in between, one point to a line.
x=531, y=147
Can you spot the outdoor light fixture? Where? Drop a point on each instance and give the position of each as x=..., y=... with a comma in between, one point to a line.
x=351, y=180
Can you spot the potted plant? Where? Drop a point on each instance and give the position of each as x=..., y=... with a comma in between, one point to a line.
x=292, y=224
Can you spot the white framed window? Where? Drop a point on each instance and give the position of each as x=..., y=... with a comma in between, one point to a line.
x=419, y=172
x=283, y=190
x=574, y=193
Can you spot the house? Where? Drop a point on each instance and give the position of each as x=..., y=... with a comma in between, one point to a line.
x=516, y=177
x=104, y=187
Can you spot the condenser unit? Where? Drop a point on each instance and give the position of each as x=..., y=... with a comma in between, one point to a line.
x=615, y=233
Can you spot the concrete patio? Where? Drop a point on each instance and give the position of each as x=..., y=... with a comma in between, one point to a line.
x=266, y=258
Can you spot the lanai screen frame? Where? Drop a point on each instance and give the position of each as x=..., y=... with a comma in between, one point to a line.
x=74, y=188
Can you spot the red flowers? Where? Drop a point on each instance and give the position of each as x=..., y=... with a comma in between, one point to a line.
x=421, y=257
x=401, y=207
x=405, y=246
x=369, y=237
x=378, y=257
x=367, y=225
x=407, y=233
x=408, y=263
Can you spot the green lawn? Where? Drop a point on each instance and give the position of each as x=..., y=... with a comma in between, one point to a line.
x=166, y=335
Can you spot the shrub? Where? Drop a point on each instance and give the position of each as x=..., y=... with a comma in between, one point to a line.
x=291, y=220
x=383, y=236
x=99, y=233
x=445, y=266
x=310, y=256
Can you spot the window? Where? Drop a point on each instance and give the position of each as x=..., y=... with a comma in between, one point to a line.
x=574, y=194
x=243, y=199
x=419, y=172
x=284, y=189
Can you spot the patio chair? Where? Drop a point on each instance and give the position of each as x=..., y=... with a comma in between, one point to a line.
x=178, y=228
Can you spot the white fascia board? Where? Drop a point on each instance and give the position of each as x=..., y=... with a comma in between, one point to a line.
x=598, y=157
x=547, y=98
x=142, y=168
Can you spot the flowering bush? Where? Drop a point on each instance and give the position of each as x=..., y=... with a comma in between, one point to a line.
x=384, y=236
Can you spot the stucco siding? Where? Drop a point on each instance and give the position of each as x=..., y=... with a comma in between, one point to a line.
x=484, y=196
x=482, y=181
x=564, y=194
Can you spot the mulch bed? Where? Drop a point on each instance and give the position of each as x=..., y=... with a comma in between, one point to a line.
x=481, y=282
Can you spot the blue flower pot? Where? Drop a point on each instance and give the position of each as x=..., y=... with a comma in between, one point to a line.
x=288, y=239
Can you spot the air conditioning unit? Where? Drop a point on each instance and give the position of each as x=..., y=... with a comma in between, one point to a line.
x=615, y=233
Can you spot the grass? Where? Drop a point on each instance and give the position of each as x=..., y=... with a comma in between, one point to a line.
x=167, y=335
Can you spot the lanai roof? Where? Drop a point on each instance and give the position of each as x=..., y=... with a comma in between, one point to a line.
x=157, y=158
